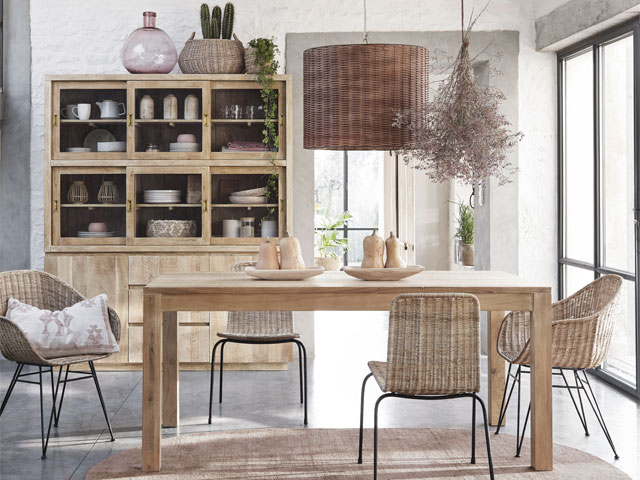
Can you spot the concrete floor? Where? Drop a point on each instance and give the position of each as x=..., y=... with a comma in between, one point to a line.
x=269, y=399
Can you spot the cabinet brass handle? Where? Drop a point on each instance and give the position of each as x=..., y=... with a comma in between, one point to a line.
x=129, y=205
x=130, y=122
x=55, y=205
x=55, y=119
x=204, y=206
x=206, y=119
x=281, y=121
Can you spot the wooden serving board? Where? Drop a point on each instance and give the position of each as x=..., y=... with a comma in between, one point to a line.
x=293, y=274
x=382, y=274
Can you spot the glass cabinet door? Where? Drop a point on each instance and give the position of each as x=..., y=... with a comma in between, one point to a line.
x=238, y=121
x=170, y=206
x=89, y=120
x=89, y=206
x=170, y=120
x=247, y=206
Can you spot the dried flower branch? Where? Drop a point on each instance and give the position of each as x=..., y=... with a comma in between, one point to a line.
x=461, y=134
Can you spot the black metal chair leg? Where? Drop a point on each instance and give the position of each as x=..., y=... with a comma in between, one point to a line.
x=300, y=369
x=486, y=433
x=583, y=419
x=375, y=434
x=517, y=379
x=12, y=385
x=104, y=409
x=503, y=407
x=222, y=344
x=53, y=413
x=41, y=411
x=524, y=428
x=213, y=360
x=596, y=410
x=473, y=431
x=53, y=395
x=364, y=384
x=577, y=380
x=306, y=398
x=64, y=387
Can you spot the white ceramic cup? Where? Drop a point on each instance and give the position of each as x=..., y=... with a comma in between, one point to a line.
x=82, y=111
x=230, y=228
x=67, y=112
x=269, y=228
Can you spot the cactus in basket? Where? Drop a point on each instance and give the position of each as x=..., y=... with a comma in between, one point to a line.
x=216, y=21
x=205, y=21
x=227, y=21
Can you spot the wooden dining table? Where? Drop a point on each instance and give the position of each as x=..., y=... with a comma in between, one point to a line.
x=497, y=291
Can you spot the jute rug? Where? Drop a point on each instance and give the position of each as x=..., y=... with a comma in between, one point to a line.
x=332, y=454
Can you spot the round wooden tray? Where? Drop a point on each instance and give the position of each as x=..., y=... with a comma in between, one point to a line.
x=298, y=274
x=382, y=274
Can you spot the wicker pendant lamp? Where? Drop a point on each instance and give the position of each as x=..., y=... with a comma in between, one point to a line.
x=351, y=94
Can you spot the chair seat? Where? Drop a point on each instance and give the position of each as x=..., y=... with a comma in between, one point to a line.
x=73, y=359
x=379, y=370
x=258, y=337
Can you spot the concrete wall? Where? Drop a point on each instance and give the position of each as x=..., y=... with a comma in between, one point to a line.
x=88, y=38
x=15, y=196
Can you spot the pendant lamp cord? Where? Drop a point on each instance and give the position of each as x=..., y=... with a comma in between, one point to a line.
x=365, y=40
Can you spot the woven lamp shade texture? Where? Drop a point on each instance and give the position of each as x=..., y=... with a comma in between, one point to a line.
x=352, y=92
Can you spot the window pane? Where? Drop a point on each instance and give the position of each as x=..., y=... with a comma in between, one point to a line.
x=575, y=279
x=329, y=188
x=578, y=154
x=356, y=253
x=622, y=354
x=617, y=154
x=366, y=188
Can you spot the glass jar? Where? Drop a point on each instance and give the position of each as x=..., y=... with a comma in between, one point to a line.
x=149, y=49
x=152, y=147
x=246, y=226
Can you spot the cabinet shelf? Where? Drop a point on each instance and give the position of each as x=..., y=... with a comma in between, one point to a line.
x=93, y=205
x=169, y=205
x=101, y=121
x=243, y=205
x=236, y=121
x=167, y=121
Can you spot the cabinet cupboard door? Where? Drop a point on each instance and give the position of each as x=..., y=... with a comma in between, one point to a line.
x=144, y=268
x=193, y=344
x=92, y=275
x=240, y=353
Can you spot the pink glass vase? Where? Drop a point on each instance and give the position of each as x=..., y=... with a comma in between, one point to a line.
x=149, y=49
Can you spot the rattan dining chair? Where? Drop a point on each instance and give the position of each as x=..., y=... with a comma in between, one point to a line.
x=433, y=354
x=44, y=291
x=259, y=328
x=582, y=326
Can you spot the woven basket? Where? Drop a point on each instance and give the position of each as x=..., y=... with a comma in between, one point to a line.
x=212, y=56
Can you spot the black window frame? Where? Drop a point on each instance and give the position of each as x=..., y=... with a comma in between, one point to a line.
x=595, y=43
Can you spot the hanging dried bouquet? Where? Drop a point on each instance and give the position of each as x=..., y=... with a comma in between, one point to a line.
x=461, y=135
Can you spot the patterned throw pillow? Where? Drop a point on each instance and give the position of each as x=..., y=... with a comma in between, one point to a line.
x=80, y=329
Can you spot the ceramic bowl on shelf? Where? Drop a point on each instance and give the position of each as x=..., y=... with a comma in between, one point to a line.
x=254, y=192
x=247, y=200
x=184, y=147
x=186, y=138
x=78, y=150
x=112, y=146
x=96, y=227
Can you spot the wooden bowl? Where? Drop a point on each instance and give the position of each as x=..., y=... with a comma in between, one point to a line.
x=382, y=274
x=297, y=274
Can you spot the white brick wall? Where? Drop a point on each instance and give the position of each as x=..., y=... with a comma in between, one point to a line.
x=86, y=36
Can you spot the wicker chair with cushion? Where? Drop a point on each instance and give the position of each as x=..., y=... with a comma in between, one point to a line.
x=433, y=354
x=44, y=291
x=582, y=326
x=259, y=328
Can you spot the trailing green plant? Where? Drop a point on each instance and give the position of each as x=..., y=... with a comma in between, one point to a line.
x=227, y=21
x=464, y=232
x=205, y=21
x=327, y=242
x=216, y=21
x=265, y=52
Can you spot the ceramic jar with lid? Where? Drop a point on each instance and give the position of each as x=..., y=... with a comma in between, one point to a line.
x=191, y=108
x=246, y=226
x=170, y=107
x=147, y=108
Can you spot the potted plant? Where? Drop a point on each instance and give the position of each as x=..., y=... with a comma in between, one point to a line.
x=328, y=245
x=464, y=234
x=216, y=52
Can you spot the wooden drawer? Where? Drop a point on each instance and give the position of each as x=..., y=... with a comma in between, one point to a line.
x=144, y=268
x=193, y=343
x=136, y=299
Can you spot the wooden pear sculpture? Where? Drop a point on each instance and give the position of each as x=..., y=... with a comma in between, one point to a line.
x=394, y=252
x=290, y=254
x=268, y=257
x=373, y=246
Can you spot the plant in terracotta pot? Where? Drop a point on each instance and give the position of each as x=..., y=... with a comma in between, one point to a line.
x=216, y=52
x=464, y=233
x=328, y=245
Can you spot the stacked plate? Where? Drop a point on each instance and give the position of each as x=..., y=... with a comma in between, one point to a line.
x=82, y=234
x=184, y=147
x=162, y=196
x=255, y=195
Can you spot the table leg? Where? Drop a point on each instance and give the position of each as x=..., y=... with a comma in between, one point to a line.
x=541, y=404
x=151, y=388
x=496, y=368
x=170, y=371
